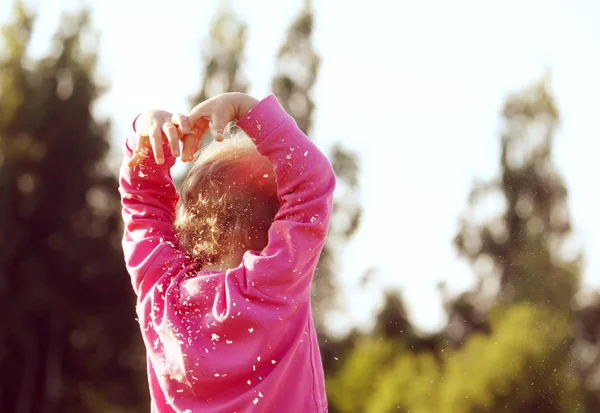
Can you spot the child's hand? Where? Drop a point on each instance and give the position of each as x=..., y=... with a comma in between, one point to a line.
x=152, y=128
x=220, y=110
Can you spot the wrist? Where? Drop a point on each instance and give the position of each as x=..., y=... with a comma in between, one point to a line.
x=247, y=105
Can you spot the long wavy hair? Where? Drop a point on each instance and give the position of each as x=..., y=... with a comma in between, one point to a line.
x=228, y=200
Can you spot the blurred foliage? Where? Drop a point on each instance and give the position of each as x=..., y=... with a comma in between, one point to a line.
x=296, y=74
x=65, y=344
x=520, y=367
x=297, y=70
x=510, y=343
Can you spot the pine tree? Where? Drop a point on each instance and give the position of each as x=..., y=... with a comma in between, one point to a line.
x=297, y=69
x=519, y=254
x=69, y=340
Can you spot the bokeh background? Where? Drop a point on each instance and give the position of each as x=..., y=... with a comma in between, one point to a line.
x=462, y=270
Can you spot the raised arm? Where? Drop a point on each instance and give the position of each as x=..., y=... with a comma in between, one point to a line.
x=305, y=185
x=149, y=196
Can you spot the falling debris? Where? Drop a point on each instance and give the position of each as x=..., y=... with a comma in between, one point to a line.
x=215, y=337
x=251, y=330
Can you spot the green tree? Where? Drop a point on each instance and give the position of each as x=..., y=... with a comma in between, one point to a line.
x=586, y=332
x=518, y=367
x=355, y=385
x=297, y=69
x=521, y=251
x=295, y=77
x=509, y=348
x=69, y=341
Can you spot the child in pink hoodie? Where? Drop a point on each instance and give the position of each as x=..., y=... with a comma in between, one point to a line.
x=223, y=283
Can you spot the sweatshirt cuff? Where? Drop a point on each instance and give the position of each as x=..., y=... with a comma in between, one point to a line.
x=131, y=142
x=263, y=119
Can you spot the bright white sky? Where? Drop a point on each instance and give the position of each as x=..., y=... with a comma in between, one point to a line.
x=414, y=87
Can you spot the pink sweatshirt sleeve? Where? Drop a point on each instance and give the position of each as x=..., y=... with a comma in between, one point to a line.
x=149, y=199
x=305, y=184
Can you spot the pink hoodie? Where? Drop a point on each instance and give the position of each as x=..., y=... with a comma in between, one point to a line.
x=241, y=340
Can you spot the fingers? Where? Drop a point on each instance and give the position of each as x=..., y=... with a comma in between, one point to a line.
x=172, y=134
x=199, y=132
x=185, y=154
x=140, y=152
x=193, y=141
x=156, y=126
x=155, y=136
x=203, y=110
x=135, y=160
x=219, y=109
x=219, y=120
x=189, y=144
x=182, y=122
x=198, y=142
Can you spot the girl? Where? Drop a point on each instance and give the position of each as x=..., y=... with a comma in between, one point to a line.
x=223, y=283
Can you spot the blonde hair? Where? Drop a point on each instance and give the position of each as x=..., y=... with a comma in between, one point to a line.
x=228, y=200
